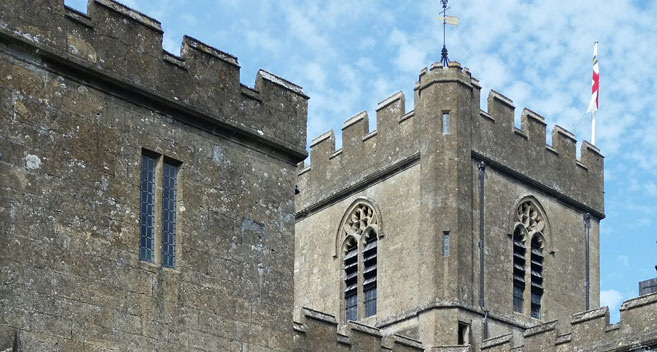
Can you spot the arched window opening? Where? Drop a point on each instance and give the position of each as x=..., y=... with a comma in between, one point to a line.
x=369, y=273
x=358, y=246
x=528, y=258
x=518, y=269
x=537, y=276
x=351, y=280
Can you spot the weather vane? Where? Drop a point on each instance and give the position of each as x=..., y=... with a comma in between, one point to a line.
x=446, y=20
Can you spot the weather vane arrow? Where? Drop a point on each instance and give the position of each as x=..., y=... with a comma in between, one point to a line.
x=451, y=20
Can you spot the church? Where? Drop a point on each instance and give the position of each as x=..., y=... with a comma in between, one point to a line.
x=152, y=202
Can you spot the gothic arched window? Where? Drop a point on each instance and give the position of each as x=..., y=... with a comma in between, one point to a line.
x=360, y=231
x=528, y=264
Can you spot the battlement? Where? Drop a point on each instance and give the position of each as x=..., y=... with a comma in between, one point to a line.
x=318, y=332
x=589, y=331
x=119, y=46
x=497, y=141
x=367, y=155
x=489, y=136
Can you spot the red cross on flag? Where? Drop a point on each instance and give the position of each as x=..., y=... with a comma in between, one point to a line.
x=593, y=105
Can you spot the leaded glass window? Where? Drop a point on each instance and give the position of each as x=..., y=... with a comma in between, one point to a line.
x=169, y=190
x=159, y=188
x=147, y=203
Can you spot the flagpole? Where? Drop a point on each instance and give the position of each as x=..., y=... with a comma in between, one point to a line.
x=593, y=127
x=595, y=91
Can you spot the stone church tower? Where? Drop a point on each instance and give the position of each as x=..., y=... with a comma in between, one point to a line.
x=392, y=232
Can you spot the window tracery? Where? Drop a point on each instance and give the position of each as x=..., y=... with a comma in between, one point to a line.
x=528, y=285
x=361, y=217
x=360, y=249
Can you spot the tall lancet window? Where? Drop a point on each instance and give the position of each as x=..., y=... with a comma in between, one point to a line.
x=528, y=259
x=537, y=276
x=359, y=235
x=369, y=274
x=351, y=280
x=518, y=269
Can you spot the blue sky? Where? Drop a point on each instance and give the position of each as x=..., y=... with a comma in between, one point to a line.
x=349, y=55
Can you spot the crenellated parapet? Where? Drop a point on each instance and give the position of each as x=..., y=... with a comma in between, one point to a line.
x=589, y=331
x=365, y=157
x=488, y=136
x=523, y=150
x=318, y=332
x=116, y=46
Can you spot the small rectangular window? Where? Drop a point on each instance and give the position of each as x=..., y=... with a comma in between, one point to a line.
x=445, y=123
x=446, y=243
x=169, y=192
x=464, y=333
x=147, y=228
x=159, y=182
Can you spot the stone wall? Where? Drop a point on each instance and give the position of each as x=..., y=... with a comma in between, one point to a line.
x=494, y=138
x=420, y=169
x=83, y=97
x=317, y=332
x=590, y=331
x=319, y=240
x=585, y=331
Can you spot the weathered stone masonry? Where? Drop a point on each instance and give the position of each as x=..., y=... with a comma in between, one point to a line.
x=419, y=169
x=83, y=96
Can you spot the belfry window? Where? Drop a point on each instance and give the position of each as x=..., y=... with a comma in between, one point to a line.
x=528, y=280
x=537, y=276
x=351, y=280
x=360, y=253
x=518, y=269
x=157, y=238
x=369, y=274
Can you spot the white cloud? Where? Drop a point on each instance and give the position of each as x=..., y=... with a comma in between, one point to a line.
x=367, y=43
x=306, y=30
x=315, y=73
x=624, y=260
x=171, y=45
x=365, y=64
x=263, y=40
x=611, y=299
x=410, y=55
x=651, y=188
x=189, y=18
